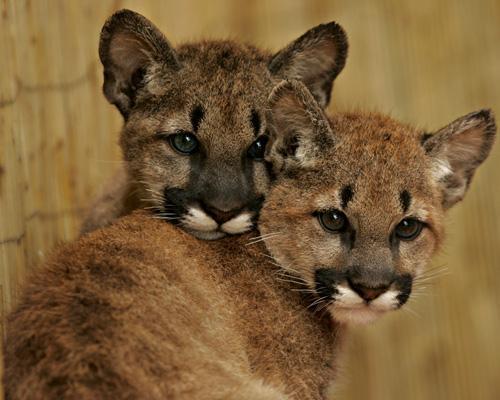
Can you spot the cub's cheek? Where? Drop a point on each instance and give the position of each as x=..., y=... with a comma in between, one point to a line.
x=417, y=253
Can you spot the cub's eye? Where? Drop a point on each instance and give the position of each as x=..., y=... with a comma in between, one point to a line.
x=183, y=142
x=257, y=148
x=408, y=229
x=333, y=220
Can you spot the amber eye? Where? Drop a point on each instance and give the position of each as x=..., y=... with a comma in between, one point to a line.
x=183, y=142
x=333, y=220
x=408, y=229
x=258, y=148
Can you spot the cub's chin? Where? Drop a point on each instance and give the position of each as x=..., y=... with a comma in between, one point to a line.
x=359, y=316
x=212, y=235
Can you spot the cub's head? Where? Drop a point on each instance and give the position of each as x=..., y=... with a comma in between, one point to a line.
x=357, y=209
x=195, y=124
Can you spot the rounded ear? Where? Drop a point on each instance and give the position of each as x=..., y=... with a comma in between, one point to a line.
x=315, y=58
x=457, y=150
x=299, y=130
x=130, y=48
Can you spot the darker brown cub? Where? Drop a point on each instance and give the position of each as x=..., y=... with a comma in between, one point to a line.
x=195, y=128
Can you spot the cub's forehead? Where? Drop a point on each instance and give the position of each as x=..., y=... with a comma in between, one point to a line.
x=372, y=142
x=222, y=75
x=220, y=82
x=226, y=64
x=225, y=54
x=214, y=52
x=373, y=128
x=376, y=155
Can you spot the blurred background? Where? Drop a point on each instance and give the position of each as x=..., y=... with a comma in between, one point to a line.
x=425, y=62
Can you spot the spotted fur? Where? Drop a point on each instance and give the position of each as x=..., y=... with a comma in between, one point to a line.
x=215, y=90
x=141, y=309
x=378, y=173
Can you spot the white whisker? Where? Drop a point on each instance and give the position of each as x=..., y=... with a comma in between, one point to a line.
x=317, y=301
x=262, y=238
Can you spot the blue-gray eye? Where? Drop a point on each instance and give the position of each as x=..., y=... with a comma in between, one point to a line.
x=184, y=142
x=258, y=148
x=333, y=221
x=408, y=229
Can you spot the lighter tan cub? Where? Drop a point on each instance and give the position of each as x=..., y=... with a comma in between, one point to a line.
x=358, y=210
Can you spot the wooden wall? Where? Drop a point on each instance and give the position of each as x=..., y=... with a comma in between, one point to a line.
x=424, y=61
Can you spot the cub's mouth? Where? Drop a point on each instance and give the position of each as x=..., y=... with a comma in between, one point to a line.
x=360, y=298
x=208, y=223
x=204, y=226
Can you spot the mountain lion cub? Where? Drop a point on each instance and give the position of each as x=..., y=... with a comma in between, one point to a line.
x=194, y=131
x=141, y=309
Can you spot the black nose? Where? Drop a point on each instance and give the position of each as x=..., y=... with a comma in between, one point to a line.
x=367, y=293
x=220, y=216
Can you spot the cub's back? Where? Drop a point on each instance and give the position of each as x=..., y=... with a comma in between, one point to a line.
x=107, y=314
x=143, y=310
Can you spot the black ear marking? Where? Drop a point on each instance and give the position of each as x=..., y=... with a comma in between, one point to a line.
x=315, y=58
x=138, y=77
x=292, y=145
x=197, y=115
x=255, y=121
x=405, y=200
x=346, y=195
x=137, y=82
x=462, y=146
x=129, y=46
x=299, y=127
x=424, y=137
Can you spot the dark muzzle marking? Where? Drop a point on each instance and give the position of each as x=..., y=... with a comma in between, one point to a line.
x=175, y=201
x=326, y=281
x=404, y=285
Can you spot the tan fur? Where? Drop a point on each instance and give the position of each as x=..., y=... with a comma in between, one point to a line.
x=157, y=88
x=378, y=158
x=143, y=310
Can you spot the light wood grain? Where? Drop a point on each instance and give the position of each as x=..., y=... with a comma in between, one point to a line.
x=425, y=62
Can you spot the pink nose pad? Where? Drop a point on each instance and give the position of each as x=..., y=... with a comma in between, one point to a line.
x=367, y=293
x=220, y=216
